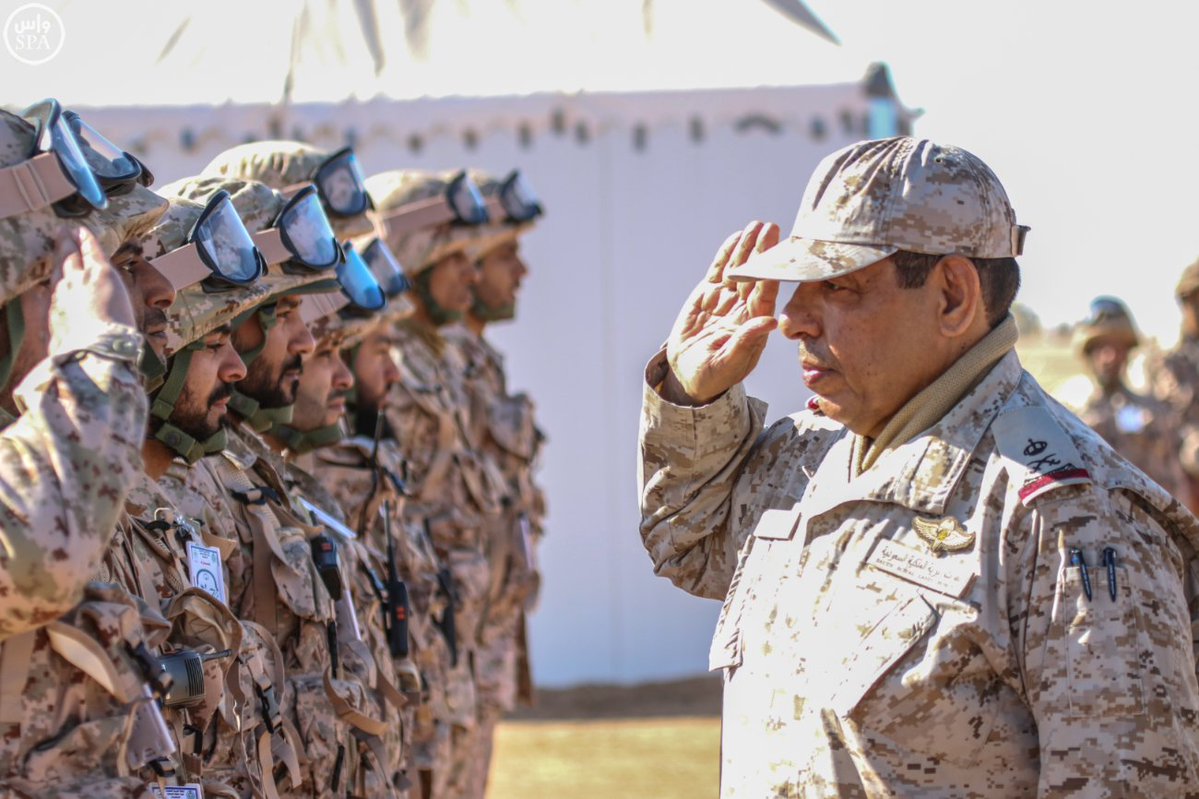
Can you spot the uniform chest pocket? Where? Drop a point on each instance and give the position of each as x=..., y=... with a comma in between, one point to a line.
x=916, y=681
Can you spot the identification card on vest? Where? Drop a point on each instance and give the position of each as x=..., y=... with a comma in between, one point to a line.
x=192, y=790
x=946, y=575
x=204, y=563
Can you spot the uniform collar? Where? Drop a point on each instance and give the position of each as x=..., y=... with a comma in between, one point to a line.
x=922, y=473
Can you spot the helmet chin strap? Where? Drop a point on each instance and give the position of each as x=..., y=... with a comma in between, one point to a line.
x=300, y=442
x=259, y=419
x=14, y=317
x=163, y=407
x=438, y=314
x=487, y=313
x=152, y=367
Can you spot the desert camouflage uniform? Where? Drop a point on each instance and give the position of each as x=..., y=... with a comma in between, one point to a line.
x=502, y=428
x=1141, y=429
x=224, y=736
x=348, y=472
x=454, y=495
x=1176, y=383
x=920, y=630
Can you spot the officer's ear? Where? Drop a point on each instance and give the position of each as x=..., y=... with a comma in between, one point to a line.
x=960, y=305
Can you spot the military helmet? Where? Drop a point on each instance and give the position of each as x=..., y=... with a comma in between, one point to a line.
x=27, y=239
x=1108, y=319
x=426, y=216
x=1188, y=284
x=512, y=208
x=287, y=165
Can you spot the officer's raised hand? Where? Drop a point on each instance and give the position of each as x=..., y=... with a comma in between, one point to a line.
x=722, y=329
x=88, y=294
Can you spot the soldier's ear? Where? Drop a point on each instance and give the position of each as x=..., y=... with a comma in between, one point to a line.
x=960, y=303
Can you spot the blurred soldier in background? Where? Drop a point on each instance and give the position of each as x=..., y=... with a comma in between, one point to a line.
x=502, y=427
x=1140, y=428
x=1176, y=379
x=429, y=222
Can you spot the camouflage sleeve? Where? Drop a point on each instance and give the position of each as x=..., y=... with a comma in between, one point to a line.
x=1106, y=653
x=65, y=468
x=690, y=462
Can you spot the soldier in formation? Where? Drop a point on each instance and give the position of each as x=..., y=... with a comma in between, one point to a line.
x=266, y=531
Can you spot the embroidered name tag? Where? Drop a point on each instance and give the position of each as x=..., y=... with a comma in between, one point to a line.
x=204, y=565
x=951, y=576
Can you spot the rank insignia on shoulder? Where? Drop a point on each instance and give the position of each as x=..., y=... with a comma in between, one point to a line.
x=943, y=535
x=1036, y=443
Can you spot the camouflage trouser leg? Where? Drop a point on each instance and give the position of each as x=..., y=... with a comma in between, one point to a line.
x=480, y=769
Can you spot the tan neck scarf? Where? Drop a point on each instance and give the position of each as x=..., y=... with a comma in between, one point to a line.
x=935, y=400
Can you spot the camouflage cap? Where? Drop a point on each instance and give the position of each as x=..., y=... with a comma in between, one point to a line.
x=27, y=239
x=1189, y=282
x=258, y=205
x=419, y=249
x=197, y=311
x=1109, y=319
x=284, y=165
x=333, y=326
x=874, y=198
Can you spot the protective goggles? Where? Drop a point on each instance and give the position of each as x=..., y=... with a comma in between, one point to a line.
x=386, y=268
x=57, y=172
x=342, y=185
x=116, y=170
x=301, y=235
x=515, y=201
x=218, y=251
x=462, y=203
x=360, y=291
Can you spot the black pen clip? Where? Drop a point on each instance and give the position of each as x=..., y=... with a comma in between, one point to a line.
x=1109, y=562
x=1076, y=559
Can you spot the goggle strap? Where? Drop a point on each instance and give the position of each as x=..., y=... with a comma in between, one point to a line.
x=33, y=184
x=291, y=191
x=270, y=243
x=318, y=306
x=182, y=266
x=418, y=215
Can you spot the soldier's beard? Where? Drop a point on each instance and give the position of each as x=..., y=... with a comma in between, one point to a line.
x=195, y=417
x=272, y=387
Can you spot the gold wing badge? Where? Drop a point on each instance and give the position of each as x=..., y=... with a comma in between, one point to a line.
x=943, y=535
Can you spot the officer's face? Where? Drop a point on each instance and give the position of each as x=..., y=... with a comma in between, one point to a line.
x=500, y=274
x=149, y=292
x=1108, y=358
x=375, y=371
x=204, y=401
x=451, y=282
x=272, y=378
x=321, y=393
x=866, y=345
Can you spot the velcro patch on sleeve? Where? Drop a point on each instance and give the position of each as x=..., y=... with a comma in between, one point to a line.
x=1040, y=450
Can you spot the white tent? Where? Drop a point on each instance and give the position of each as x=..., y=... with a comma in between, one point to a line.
x=651, y=128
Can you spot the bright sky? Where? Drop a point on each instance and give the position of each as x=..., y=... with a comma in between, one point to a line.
x=1076, y=106
x=1083, y=110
